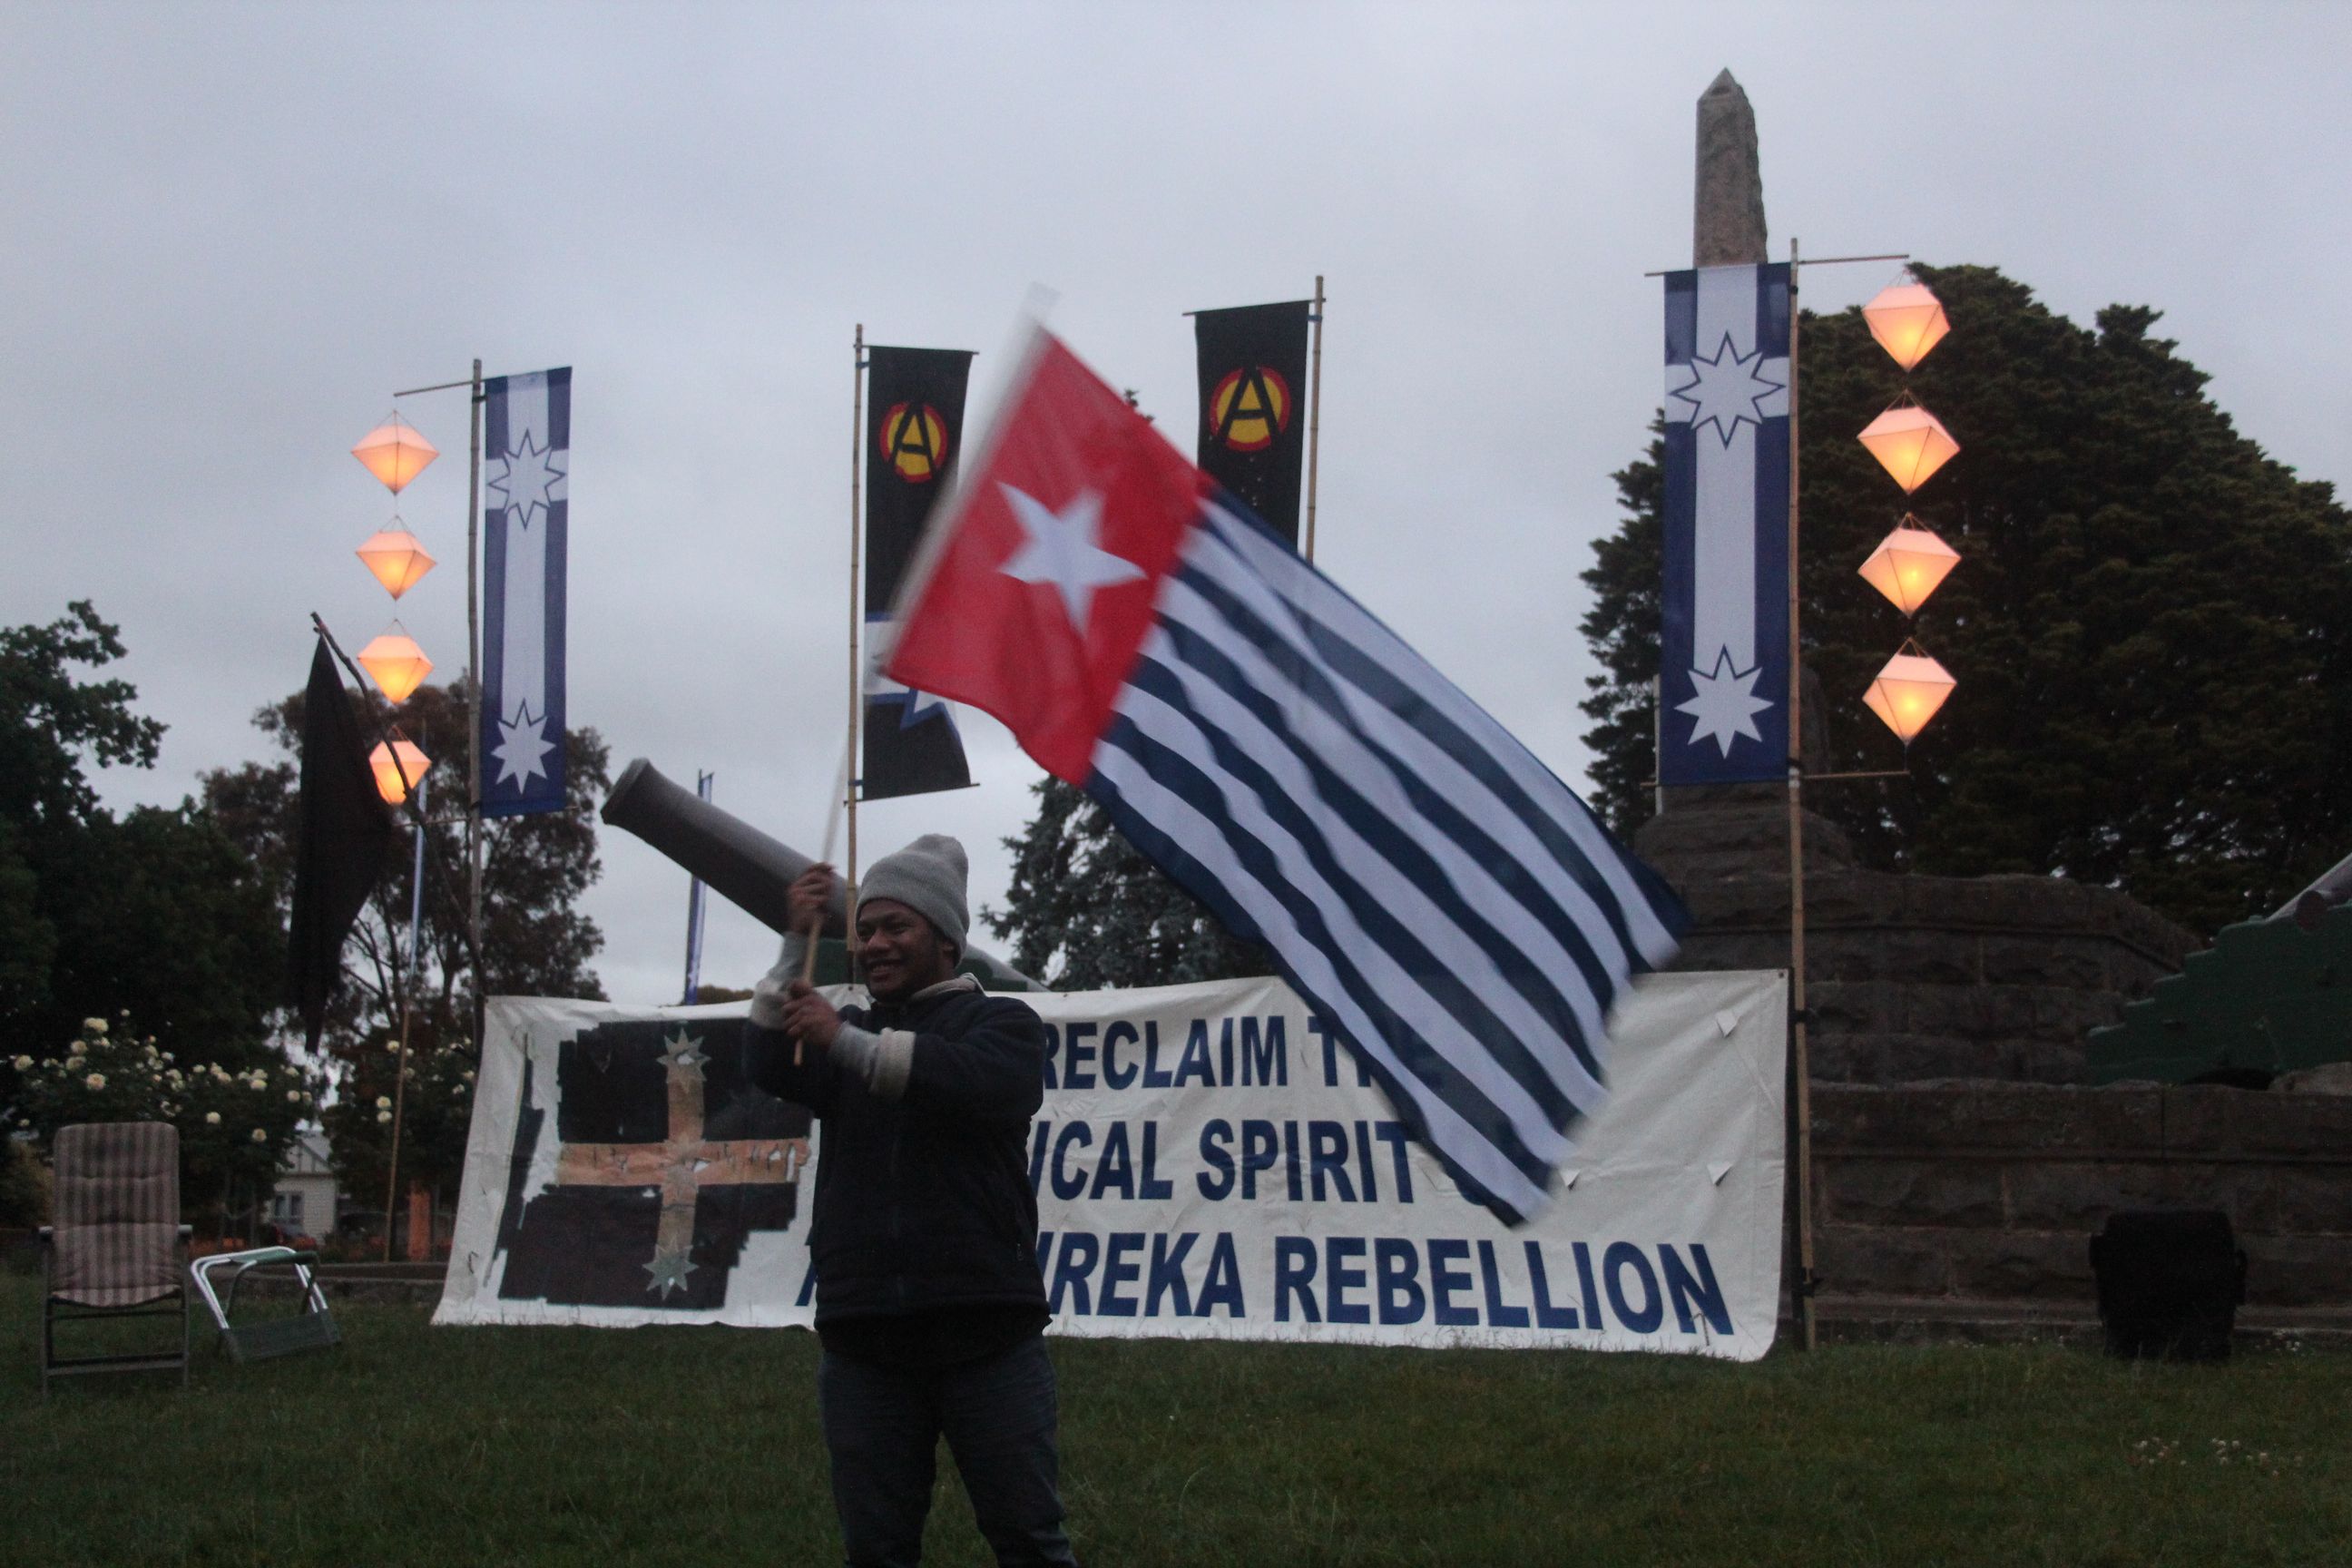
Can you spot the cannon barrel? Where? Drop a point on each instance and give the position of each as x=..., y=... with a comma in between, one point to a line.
x=736, y=860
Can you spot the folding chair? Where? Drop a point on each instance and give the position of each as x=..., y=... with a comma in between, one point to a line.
x=313, y=1328
x=117, y=1248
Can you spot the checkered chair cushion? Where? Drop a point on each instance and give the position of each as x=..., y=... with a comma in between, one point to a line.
x=115, y=1209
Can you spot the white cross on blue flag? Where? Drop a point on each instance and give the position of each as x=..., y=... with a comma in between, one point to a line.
x=526, y=452
x=1724, y=664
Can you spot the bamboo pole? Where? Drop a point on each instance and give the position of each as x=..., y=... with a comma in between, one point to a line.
x=1657, y=778
x=474, y=729
x=405, y=978
x=857, y=619
x=1314, y=416
x=849, y=909
x=1802, y=1067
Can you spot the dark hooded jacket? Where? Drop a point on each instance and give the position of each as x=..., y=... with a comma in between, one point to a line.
x=922, y=1201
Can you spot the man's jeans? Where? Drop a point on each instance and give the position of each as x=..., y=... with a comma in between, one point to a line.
x=882, y=1426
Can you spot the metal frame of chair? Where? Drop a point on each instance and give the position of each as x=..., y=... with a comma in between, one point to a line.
x=313, y=1328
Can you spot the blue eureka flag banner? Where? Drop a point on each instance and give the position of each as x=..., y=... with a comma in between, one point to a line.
x=526, y=450
x=1724, y=663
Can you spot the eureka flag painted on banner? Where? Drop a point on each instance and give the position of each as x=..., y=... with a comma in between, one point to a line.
x=1723, y=665
x=1427, y=884
x=526, y=453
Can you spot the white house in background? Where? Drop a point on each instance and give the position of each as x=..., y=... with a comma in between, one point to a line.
x=303, y=1202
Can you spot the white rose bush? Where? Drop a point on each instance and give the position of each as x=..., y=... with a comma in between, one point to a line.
x=436, y=1107
x=235, y=1122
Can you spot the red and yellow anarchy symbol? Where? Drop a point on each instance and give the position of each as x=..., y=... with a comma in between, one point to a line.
x=1250, y=407
x=915, y=441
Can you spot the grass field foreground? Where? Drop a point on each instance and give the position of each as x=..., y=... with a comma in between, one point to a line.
x=413, y=1445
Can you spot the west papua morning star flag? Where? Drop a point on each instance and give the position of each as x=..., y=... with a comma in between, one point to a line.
x=1723, y=665
x=1426, y=883
x=914, y=419
x=526, y=452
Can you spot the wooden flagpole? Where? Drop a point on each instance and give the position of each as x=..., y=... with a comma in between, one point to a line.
x=1802, y=1064
x=474, y=729
x=405, y=976
x=849, y=911
x=857, y=614
x=1314, y=415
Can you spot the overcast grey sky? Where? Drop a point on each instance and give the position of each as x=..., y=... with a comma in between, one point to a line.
x=231, y=231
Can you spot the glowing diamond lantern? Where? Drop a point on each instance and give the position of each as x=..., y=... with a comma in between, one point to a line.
x=1907, y=320
x=395, y=557
x=395, y=453
x=1909, y=691
x=1910, y=443
x=398, y=665
x=1908, y=564
x=398, y=765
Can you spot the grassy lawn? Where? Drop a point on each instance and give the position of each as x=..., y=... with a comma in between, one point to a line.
x=700, y=1446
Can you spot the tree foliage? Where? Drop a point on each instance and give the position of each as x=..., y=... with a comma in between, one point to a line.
x=156, y=910
x=535, y=940
x=2151, y=623
x=1087, y=911
x=54, y=720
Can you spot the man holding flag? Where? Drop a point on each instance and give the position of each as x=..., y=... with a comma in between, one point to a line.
x=924, y=1237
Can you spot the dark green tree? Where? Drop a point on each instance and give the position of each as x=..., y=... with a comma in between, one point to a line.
x=50, y=722
x=155, y=915
x=535, y=940
x=154, y=910
x=2151, y=623
x=1087, y=911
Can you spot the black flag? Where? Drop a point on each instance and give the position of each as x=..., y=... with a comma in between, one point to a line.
x=914, y=430
x=343, y=835
x=1253, y=405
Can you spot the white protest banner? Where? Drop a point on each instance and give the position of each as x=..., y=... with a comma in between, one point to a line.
x=1208, y=1165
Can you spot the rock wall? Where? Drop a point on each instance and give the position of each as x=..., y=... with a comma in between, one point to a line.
x=1991, y=1192
x=1913, y=978
x=1908, y=978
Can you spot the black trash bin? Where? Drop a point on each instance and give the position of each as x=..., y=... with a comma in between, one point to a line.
x=2169, y=1283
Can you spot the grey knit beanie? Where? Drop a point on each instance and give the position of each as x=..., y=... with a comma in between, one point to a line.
x=927, y=877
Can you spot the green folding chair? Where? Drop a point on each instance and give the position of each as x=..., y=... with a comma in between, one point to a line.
x=311, y=1329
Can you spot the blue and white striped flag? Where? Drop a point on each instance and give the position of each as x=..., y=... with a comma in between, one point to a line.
x=1445, y=901
x=1723, y=665
x=526, y=452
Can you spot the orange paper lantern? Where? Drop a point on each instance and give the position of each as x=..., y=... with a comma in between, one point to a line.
x=1909, y=691
x=1908, y=564
x=1907, y=320
x=1910, y=443
x=399, y=764
x=398, y=665
x=395, y=453
x=395, y=557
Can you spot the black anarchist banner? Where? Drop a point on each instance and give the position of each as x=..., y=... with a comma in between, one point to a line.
x=914, y=433
x=1253, y=430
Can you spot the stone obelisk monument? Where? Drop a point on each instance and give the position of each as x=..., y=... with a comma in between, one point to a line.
x=1727, y=213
